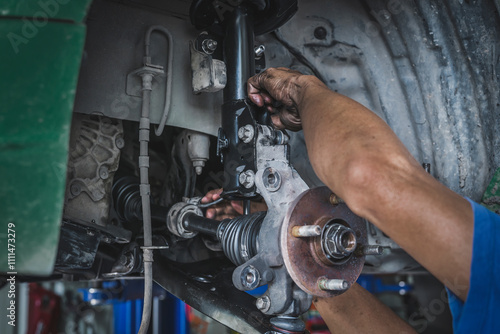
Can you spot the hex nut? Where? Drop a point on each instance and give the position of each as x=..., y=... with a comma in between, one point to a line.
x=250, y=277
x=246, y=133
x=263, y=303
x=247, y=178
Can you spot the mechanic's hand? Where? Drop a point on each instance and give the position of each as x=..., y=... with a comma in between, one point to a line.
x=279, y=89
x=222, y=210
x=228, y=209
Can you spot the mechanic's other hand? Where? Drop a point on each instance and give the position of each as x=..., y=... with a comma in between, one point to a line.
x=279, y=90
x=228, y=209
x=222, y=210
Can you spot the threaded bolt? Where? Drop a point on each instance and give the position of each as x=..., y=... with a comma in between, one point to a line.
x=332, y=284
x=373, y=250
x=259, y=51
x=306, y=231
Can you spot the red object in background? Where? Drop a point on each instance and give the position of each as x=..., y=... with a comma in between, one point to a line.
x=43, y=310
x=314, y=323
x=196, y=324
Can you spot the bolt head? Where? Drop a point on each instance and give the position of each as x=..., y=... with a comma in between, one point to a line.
x=263, y=303
x=320, y=33
x=209, y=45
x=120, y=143
x=250, y=277
x=75, y=189
x=103, y=172
x=247, y=179
x=246, y=133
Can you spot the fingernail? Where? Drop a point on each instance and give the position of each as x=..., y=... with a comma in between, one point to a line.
x=257, y=100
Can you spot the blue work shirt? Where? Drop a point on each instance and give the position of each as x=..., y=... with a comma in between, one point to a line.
x=481, y=311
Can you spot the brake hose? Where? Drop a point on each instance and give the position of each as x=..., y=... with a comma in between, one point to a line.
x=168, y=70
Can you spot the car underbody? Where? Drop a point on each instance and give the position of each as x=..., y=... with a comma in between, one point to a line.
x=161, y=116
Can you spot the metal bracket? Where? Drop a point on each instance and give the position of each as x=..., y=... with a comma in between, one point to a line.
x=272, y=165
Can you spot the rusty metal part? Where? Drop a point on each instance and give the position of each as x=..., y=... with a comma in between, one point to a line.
x=313, y=207
x=306, y=231
x=332, y=284
x=337, y=242
x=334, y=199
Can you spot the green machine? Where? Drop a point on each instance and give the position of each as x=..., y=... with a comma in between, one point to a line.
x=41, y=43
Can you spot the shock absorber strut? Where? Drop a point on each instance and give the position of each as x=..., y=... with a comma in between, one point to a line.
x=238, y=54
x=237, y=146
x=237, y=22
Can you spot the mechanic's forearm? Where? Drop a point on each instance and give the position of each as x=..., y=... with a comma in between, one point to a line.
x=358, y=311
x=357, y=155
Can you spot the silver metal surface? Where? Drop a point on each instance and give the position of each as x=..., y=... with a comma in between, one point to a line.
x=373, y=250
x=110, y=54
x=209, y=45
x=259, y=51
x=208, y=74
x=338, y=241
x=246, y=133
x=271, y=179
x=263, y=303
x=332, y=284
x=198, y=145
x=247, y=178
x=306, y=231
x=250, y=277
x=272, y=159
x=175, y=218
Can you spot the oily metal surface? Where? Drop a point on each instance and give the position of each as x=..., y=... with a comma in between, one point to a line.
x=207, y=287
x=299, y=254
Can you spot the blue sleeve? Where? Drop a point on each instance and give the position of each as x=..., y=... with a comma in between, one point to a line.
x=481, y=311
